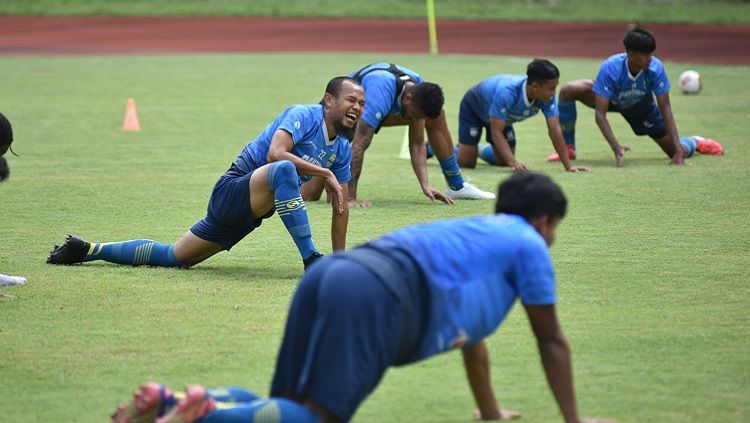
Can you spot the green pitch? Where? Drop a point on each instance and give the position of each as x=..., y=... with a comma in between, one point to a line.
x=652, y=260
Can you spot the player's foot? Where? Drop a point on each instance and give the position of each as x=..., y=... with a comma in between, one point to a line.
x=311, y=258
x=72, y=251
x=196, y=404
x=554, y=157
x=709, y=146
x=148, y=403
x=469, y=192
x=7, y=280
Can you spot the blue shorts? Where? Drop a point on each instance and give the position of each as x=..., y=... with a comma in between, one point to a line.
x=229, y=217
x=345, y=328
x=644, y=118
x=471, y=122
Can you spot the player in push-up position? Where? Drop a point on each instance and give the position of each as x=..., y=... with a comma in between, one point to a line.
x=303, y=142
x=498, y=102
x=402, y=298
x=627, y=83
x=6, y=139
x=398, y=96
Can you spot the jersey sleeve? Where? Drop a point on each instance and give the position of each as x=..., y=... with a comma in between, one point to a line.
x=341, y=167
x=535, y=276
x=299, y=122
x=380, y=94
x=661, y=81
x=549, y=108
x=604, y=84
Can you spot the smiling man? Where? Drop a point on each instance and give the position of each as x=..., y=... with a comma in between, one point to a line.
x=303, y=142
x=498, y=102
x=627, y=83
x=398, y=96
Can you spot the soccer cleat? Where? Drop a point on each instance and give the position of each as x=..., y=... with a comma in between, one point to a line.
x=148, y=403
x=196, y=404
x=554, y=157
x=469, y=192
x=709, y=146
x=309, y=260
x=72, y=251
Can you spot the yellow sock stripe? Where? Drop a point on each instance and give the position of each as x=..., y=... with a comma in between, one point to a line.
x=288, y=206
x=271, y=413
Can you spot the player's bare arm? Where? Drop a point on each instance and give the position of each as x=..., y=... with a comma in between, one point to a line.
x=418, y=154
x=340, y=220
x=558, y=142
x=503, y=152
x=665, y=107
x=477, y=365
x=362, y=139
x=600, y=115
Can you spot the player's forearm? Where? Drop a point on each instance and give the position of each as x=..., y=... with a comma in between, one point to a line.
x=360, y=143
x=339, y=225
x=555, y=355
x=303, y=167
x=418, y=155
x=558, y=142
x=606, y=130
x=476, y=363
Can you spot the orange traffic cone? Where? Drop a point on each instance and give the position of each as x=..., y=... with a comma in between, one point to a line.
x=131, y=119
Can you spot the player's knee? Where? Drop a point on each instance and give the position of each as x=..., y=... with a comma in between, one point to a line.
x=282, y=171
x=574, y=90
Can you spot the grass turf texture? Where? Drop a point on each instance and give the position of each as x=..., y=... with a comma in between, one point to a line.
x=682, y=11
x=652, y=260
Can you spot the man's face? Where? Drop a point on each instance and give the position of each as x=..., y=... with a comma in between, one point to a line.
x=638, y=60
x=347, y=107
x=544, y=90
x=547, y=227
x=409, y=109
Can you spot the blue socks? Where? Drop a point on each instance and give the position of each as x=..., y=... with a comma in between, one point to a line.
x=284, y=181
x=452, y=173
x=568, y=117
x=690, y=144
x=137, y=252
x=487, y=154
x=271, y=410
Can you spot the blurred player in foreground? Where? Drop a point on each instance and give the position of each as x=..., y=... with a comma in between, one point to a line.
x=304, y=141
x=397, y=96
x=498, y=102
x=405, y=297
x=6, y=139
x=627, y=83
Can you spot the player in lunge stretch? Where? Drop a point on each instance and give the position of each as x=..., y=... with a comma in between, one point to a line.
x=398, y=96
x=498, y=102
x=627, y=83
x=303, y=142
x=407, y=296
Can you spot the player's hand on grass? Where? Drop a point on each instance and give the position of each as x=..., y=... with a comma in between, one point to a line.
x=519, y=167
x=502, y=414
x=678, y=158
x=579, y=169
x=354, y=203
x=620, y=151
x=434, y=194
x=595, y=420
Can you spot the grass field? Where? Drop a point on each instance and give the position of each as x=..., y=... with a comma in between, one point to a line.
x=652, y=260
x=682, y=11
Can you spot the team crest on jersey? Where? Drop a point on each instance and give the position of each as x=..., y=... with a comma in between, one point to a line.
x=331, y=159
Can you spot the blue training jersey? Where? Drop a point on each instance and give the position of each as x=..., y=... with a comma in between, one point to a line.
x=504, y=98
x=380, y=93
x=307, y=127
x=615, y=83
x=475, y=268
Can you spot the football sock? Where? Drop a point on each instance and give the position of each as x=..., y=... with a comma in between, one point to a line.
x=232, y=394
x=284, y=181
x=487, y=154
x=568, y=117
x=136, y=252
x=689, y=144
x=430, y=153
x=271, y=410
x=452, y=173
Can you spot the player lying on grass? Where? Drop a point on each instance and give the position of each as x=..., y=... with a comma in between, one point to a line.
x=304, y=141
x=627, y=83
x=397, y=96
x=498, y=102
x=405, y=297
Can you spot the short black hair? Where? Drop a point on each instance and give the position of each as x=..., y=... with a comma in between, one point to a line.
x=531, y=195
x=429, y=98
x=541, y=70
x=6, y=131
x=334, y=85
x=640, y=40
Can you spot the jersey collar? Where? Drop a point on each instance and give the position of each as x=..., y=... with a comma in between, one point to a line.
x=329, y=142
x=526, y=100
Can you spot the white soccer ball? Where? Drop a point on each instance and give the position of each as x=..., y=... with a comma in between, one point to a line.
x=691, y=82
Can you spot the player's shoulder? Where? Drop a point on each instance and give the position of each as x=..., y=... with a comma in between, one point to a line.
x=614, y=61
x=656, y=65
